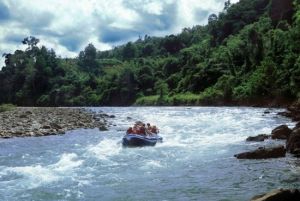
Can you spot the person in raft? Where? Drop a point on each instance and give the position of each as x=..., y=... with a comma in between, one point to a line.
x=141, y=129
x=152, y=129
x=129, y=130
x=138, y=128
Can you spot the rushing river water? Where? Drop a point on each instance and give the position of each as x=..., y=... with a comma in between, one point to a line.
x=195, y=161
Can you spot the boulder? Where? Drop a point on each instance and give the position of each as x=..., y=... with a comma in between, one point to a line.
x=263, y=153
x=297, y=126
x=293, y=143
x=104, y=115
x=286, y=114
x=279, y=195
x=103, y=128
x=258, y=138
x=80, y=124
x=296, y=117
x=46, y=127
x=23, y=116
x=97, y=118
x=28, y=112
x=281, y=132
x=61, y=132
x=294, y=109
x=55, y=125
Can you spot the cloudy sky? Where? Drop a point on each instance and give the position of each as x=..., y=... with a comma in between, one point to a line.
x=68, y=26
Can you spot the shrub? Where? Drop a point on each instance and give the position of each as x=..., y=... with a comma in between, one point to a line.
x=44, y=100
x=211, y=95
x=147, y=100
x=6, y=107
x=185, y=99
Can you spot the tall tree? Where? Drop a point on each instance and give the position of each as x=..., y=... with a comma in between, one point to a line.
x=87, y=58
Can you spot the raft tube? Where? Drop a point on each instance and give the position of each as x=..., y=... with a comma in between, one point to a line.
x=134, y=140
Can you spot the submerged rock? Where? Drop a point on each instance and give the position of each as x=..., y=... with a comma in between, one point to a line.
x=281, y=132
x=258, y=138
x=279, y=195
x=294, y=111
x=263, y=153
x=103, y=128
x=297, y=126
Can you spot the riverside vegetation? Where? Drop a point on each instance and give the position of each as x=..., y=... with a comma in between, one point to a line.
x=247, y=54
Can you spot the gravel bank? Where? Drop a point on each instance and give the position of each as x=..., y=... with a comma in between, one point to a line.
x=43, y=121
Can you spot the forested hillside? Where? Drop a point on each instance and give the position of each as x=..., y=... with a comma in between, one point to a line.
x=247, y=54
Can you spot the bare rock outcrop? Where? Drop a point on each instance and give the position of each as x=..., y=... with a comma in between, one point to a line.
x=263, y=153
x=281, y=132
x=279, y=195
x=293, y=143
x=258, y=138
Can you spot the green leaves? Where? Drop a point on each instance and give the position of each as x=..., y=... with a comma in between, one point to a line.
x=242, y=54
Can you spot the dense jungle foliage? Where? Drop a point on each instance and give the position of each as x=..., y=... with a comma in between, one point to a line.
x=248, y=53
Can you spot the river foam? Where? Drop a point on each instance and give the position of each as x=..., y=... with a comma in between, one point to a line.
x=36, y=175
x=194, y=162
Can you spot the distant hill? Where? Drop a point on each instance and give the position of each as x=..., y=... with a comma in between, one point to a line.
x=247, y=54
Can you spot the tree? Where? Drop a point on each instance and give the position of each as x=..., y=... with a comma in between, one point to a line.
x=213, y=28
x=148, y=49
x=31, y=41
x=161, y=88
x=87, y=58
x=227, y=4
x=212, y=19
x=172, y=44
x=129, y=51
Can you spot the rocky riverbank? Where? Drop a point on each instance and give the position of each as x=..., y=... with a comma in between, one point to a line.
x=43, y=121
x=291, y=137
x=292, y=145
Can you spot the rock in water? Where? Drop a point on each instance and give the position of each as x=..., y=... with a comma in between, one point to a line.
x=279, y=195
x=281, y=132
x=258, y=138
x=103, y=128
x=293, y=143
x=297, y=126
x=263, y=153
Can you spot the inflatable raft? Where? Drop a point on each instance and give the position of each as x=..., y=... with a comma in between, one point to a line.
x=134, y=140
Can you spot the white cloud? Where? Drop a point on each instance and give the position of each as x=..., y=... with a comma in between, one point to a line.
x=68, y=26
x=153, y=7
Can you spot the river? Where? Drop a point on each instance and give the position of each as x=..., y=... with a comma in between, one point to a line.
x=194, y=162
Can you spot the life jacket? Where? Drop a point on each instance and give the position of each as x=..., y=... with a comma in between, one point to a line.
x=142, y=130
x=129, y=131
x=153, y=130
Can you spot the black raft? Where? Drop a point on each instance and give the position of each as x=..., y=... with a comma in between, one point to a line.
x=135, y=140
